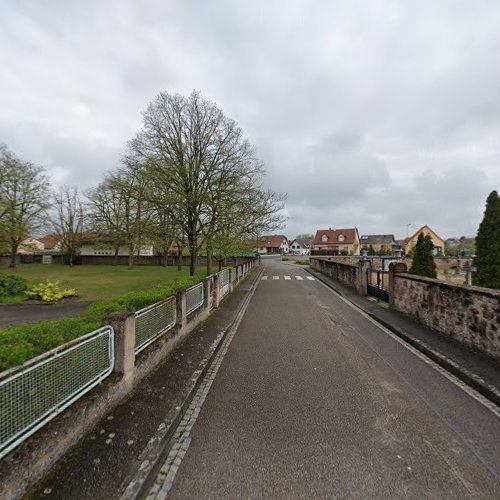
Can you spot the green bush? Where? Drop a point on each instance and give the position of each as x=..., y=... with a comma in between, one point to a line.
x=22, y=342
x=12, y=285
x=50, y=291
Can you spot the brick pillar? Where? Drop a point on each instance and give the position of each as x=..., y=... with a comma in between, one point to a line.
x=124, y=345
x=394, y=268
x=216, y=290
x=180, y=309
x=207, y=293
x=362, y=278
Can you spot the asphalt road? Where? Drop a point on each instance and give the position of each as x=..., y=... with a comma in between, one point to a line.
x=314, y=400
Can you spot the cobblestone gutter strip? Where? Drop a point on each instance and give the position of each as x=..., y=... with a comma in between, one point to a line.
x=476, y=382
x=157, y=451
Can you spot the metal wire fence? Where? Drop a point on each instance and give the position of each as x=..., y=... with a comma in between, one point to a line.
x=153, y=321
x=34, y=393
x=194, y=297
x=224, y=281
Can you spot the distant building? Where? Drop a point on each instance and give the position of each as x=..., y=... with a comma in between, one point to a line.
x=30, y=245
x=408, y=244
x=460, y=246
x=300, y=247
x=94, y=244
x=383, y=244
x=277, y=244
x=336, y=242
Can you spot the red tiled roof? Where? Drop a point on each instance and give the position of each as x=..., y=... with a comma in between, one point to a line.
x=49, y=241
x=272, y=241
x=333, y=236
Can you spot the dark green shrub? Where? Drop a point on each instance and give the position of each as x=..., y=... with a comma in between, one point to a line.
x=423, y=260
x=22, y=342
x=487, y=258
x=12, y=285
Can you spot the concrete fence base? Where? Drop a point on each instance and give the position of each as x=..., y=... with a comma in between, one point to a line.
x=26, y=465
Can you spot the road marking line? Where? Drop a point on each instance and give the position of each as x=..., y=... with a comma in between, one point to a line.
x=311, y=278
x=288, y=278
x=454, y=380
x=299, y=277
x=264, y=278
x=182, y=436
x=276, y=277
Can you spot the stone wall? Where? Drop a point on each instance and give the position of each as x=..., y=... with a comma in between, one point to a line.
x=470, y=315
x=350, y=274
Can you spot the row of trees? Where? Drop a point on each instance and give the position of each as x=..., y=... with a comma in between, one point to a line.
x=188, y=176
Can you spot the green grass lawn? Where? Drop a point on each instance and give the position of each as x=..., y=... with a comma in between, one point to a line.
x=101, y=282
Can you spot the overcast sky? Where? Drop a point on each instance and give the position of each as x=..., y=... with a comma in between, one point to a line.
x=372, y=114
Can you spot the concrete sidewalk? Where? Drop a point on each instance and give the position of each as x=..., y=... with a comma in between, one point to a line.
x=480, y=372
x=106, y=459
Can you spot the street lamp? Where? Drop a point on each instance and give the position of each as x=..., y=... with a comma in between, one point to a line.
x=407, y=227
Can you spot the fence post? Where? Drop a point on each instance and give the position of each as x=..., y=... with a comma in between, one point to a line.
x=207, y=293
x=394, y=268
x=362, y=281
x=180, y=309
x=124, y=344
x=216, y=290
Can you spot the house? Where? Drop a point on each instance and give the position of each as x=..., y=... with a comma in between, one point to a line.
x=51, y=243
x=277, y=244
x=336, y=242
x=30, y=245
x=409, y=243
x=462, y=246
x=300, y=247
x=95, y=244
x=383, y=244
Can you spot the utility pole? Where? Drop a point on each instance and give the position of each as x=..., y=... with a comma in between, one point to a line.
x=407, y=227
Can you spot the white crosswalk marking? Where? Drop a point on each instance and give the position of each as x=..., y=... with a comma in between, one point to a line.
x=299, y=277
x=276, y=277
x=310, y=278
x=264, y=278
x=288, y=278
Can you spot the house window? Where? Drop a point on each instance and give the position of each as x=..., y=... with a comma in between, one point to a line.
x=324, y=238
x=341, y=238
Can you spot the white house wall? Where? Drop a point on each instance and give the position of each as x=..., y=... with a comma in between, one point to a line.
x=87, y=250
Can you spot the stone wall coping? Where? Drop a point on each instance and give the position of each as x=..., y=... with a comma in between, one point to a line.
x=489, y=292
x=326, y=259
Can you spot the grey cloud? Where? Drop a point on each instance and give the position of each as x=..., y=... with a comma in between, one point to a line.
x=372, y=114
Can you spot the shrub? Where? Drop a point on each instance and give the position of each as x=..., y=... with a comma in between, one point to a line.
x=12, y=285
x=423, y=261
x=22, y=342
x=285, y=258
x=50, y=291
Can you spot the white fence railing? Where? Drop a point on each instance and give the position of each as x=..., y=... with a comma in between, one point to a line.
x=194, y=297
x=153, y=321
x=34, y=393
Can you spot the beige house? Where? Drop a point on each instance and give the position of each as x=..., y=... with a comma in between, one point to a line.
x=30, y=246
x=438, y=242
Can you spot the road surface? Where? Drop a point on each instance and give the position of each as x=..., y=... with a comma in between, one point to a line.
x=312, y=399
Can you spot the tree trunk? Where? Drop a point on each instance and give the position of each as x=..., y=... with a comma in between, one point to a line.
x=131, y=256
x=209, y=259
x=164, y=258
x=115, y=257
x=193, y=256
x=220, y=265
x=71, y=259
x=13, y=256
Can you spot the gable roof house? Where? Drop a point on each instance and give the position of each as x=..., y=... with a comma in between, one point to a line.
x=273, y=244
x=439, y=245
x=383, y=244
x=300, y=247
x=336, y=242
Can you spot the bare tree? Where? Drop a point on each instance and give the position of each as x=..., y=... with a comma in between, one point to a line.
x=203, y=158
x=69, y=220
x=23, y=200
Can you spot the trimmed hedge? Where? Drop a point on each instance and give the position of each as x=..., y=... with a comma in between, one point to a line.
x=22, y=342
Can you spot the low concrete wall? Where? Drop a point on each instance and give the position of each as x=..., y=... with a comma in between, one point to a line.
x=28, y=463
x=470, y=315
